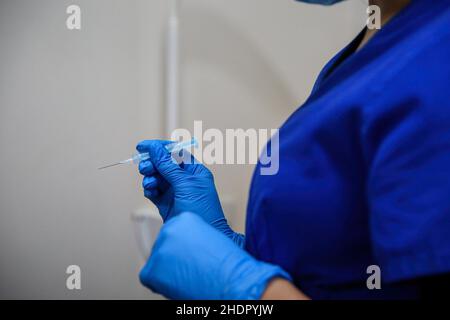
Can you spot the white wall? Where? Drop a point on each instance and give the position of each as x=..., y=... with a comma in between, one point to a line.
x=71, y=101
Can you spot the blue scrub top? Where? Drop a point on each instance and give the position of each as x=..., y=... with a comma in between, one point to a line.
x=364, y=173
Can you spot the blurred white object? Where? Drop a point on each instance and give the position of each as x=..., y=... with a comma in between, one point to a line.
x=146, y=225
x=147, y=222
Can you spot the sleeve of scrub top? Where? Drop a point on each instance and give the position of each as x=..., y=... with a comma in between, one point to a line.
x=407, y=141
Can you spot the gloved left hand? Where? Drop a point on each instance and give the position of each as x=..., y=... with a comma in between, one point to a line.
x=188, y=186
x=192, y=260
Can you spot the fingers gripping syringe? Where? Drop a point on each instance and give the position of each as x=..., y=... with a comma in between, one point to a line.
x=174, y=147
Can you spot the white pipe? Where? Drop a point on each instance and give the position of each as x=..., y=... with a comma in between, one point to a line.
x=172, y=69
x=147, y=221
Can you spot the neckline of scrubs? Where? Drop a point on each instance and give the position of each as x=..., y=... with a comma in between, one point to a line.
x=351, y=59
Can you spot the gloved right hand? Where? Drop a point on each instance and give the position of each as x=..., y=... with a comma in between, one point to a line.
x=176, y=188
x=192, y=260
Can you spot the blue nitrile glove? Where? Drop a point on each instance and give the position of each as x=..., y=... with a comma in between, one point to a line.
x=175, y=188
x=192, y=260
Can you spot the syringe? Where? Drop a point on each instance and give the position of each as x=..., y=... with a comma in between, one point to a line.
x=174, y=147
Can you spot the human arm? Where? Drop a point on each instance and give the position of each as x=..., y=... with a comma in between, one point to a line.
x=282, y=289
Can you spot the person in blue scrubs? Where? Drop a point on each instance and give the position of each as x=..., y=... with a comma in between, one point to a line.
x=363, y=181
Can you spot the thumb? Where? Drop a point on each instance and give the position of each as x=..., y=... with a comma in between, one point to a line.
x=161, y=159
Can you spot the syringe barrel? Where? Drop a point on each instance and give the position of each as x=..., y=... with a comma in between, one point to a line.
x=140, y=157
x=171, y=147
x=178, y=146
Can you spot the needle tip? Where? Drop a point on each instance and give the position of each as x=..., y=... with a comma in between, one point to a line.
x=111, y=165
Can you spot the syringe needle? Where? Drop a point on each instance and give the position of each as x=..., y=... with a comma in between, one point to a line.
x=110, y=165
x=171, y=147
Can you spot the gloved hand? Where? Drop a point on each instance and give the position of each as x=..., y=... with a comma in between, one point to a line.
x=175, y=188
x=192, y=260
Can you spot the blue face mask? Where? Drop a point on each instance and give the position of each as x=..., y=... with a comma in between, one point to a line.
x=324, y=2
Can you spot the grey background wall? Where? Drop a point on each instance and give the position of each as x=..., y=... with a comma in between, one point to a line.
x=72, y=100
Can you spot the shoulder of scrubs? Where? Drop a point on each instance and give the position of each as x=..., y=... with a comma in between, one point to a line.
x=406, y=136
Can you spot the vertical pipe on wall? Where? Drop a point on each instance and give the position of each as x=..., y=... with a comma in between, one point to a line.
x=173, y=69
